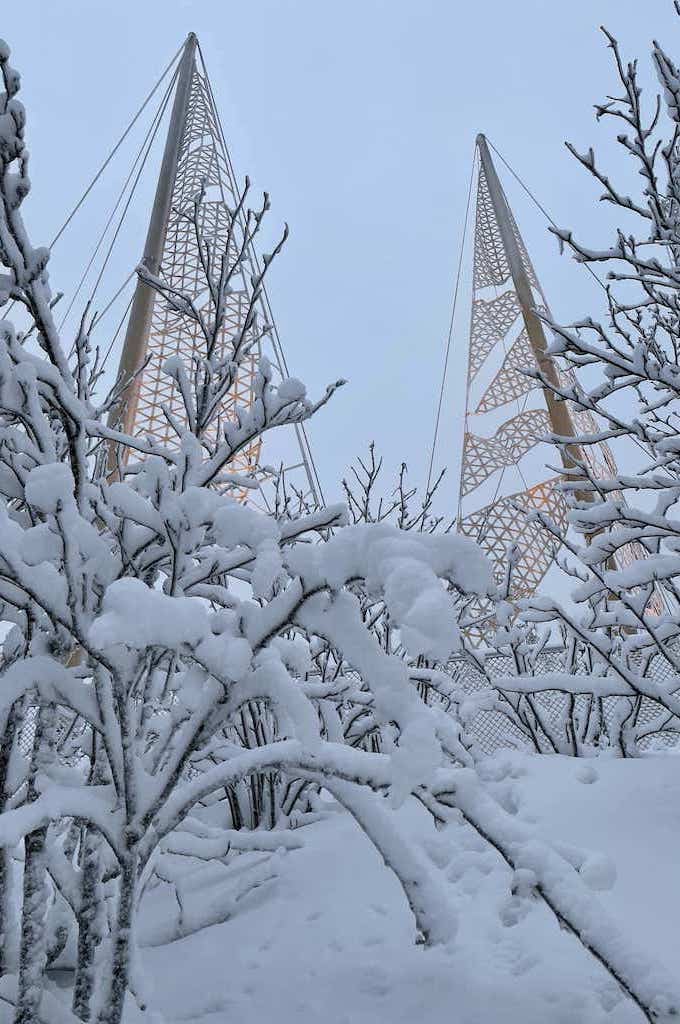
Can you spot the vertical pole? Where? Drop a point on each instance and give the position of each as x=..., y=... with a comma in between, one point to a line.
x=122, y=415
x=558, y=411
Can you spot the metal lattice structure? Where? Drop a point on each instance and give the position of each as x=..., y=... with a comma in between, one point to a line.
x=500, y=523
x=202, y=164
x=484, y=455
x=508, y=413
x=195, y=159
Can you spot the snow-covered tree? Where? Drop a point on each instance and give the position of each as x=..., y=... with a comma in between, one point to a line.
x=622, y=547
x=143, y=608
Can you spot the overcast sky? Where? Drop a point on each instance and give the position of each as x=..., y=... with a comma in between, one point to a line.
x=359, y=117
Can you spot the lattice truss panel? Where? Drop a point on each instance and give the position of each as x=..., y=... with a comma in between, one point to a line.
x=508, y=419
x=202, y=162
x=483, y=456
x=503, y=521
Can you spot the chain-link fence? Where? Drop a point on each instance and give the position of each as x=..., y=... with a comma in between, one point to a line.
x=70, y=730
x=491, y=729
x=494, y=730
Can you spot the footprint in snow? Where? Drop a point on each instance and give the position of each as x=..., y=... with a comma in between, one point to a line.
x=587, y=774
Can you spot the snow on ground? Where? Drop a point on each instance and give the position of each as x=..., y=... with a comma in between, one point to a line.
x=331, y=939
x=629, y=809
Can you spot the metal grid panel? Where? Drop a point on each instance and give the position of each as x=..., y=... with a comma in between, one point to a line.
x=482, y=456
x=492, y=730
x=502, y=522
x=499, y=341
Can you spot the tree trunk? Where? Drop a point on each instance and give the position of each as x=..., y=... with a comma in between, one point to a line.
x=90, y=911
x=32, y=951
x=90, y=931
x=112, y=1010
x=32, y=954
x=6, y=909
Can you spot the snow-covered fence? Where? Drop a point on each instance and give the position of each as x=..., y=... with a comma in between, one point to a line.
x=494, y=729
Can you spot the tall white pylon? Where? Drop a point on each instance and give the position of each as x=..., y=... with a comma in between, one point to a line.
x=195, y=158
x=508, y=413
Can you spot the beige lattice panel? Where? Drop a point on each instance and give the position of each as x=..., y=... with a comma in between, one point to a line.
x=201, y=164
x=498, y=333
x=491, y=321
x=501, y=523
x=482, y=456
x=510, y=384
x=497, y=328
x=491, y=265
x=498, y=338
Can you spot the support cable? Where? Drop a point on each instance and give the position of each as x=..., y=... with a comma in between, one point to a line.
x=540, y=207
x=151, y=137
x=118, y=328
x=100, y=316
x=113, y=152
x=108, y=160
x=107, y=307
x=447, y=351
x=301, y=433
x=153, y=128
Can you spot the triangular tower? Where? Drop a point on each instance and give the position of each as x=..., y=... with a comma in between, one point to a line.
x=507, y=413
x=195, y=158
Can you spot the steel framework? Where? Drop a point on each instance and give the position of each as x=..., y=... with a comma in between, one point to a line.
x=508, y=413
x=195, y=158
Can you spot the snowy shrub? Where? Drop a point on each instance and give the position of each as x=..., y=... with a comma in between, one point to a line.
x=622, y=547
x=557, y=697
x=144, y=608
x=541, y=691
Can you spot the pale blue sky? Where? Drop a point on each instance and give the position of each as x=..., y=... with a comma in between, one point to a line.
x=359, y=117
